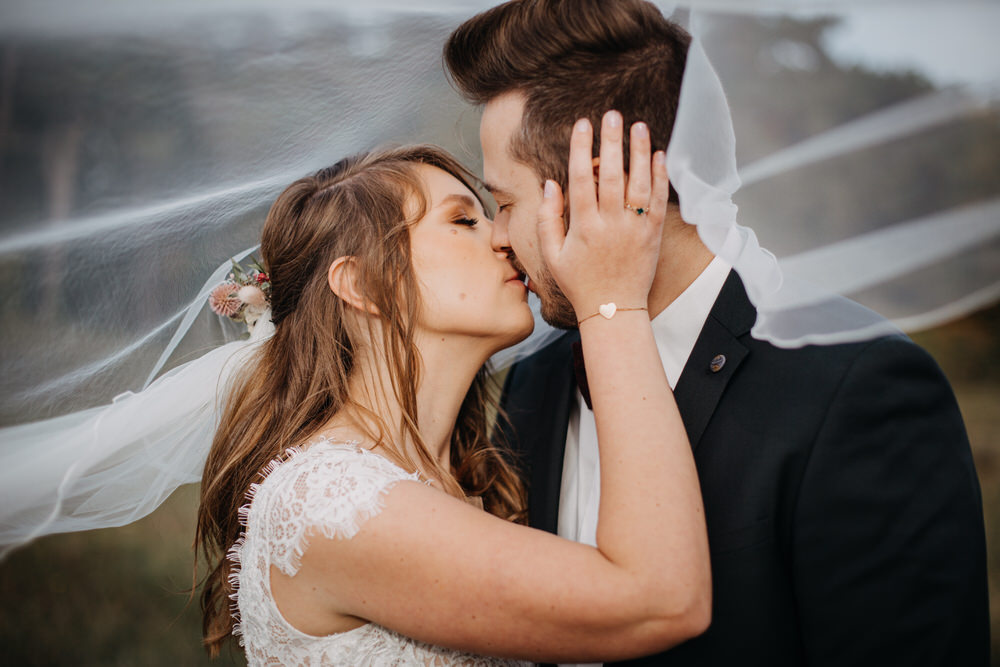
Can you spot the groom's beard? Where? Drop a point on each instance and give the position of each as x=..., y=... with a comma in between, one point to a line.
x=556, y=308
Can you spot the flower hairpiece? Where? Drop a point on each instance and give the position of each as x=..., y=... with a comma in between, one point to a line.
x=245, y=296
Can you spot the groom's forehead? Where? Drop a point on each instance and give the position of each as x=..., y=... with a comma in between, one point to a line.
x=501, y=118
x=500, y=122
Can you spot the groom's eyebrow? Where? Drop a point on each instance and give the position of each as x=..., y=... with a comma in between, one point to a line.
x=495, y=190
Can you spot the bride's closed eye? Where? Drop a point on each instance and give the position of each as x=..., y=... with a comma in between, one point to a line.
x=468, y=222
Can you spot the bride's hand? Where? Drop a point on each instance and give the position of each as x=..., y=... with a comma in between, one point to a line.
x=609, y=254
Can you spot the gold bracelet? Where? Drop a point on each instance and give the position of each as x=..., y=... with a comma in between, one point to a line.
x=607, y=311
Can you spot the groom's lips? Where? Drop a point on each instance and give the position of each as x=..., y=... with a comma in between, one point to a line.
x=522, y=274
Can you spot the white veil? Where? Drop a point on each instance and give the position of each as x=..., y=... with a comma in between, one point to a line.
x=141, y=146
x=874, y=184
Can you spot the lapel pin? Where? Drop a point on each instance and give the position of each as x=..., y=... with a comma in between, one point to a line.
x=717, y=363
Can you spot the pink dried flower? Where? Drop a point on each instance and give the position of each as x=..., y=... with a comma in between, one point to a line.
x=252, y=296
x=224, y=300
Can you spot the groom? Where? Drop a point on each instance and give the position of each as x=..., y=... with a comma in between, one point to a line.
x=844, y=515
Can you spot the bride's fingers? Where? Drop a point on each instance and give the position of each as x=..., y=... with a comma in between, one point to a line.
x=638, y=189
x=611, y=172
x=660, y=189
x=582, y=197
x=551, y=226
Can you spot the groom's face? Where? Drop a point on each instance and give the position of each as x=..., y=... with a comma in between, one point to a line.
x=517, y=190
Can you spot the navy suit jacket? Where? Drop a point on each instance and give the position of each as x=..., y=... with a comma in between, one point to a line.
x=844, y=513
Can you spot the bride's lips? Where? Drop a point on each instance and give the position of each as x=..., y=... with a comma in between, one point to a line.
x=522, y=275
x=518, y=279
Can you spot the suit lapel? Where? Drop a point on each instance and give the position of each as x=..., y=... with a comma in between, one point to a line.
x=716, y=356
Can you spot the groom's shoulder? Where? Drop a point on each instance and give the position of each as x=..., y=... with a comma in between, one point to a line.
x=815, y=357
x=816, y=370
x=883, y=359
x=837, y=354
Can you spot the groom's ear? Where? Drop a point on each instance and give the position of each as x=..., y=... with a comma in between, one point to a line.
x=343, y=280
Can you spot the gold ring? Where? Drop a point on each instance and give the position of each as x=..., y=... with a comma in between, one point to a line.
x=637, y=210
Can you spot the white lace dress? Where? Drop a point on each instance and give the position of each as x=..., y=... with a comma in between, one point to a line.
x=332, y=488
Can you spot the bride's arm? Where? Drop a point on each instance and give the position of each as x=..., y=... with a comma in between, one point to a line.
x=437, y=570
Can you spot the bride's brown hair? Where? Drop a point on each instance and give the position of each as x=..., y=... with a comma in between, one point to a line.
x=361, y=207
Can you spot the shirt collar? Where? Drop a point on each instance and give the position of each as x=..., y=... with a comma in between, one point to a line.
x=677, y=328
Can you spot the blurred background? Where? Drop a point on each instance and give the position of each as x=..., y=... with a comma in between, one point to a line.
x=141, y=147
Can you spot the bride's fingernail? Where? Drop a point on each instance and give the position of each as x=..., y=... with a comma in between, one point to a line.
x=614, y=119
x=659, y=157
x=550, y=189
x=582, y=125
x=641, y=130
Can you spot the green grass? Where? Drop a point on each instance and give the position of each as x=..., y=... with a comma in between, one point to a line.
x=979, y=404
x=119, y=596
x=107, y=597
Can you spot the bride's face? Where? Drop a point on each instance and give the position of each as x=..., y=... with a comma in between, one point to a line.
x=466, y=288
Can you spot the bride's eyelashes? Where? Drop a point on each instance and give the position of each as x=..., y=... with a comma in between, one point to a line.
x=468, y=222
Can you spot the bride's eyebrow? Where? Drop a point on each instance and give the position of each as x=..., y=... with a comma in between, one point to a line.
x=464, y=200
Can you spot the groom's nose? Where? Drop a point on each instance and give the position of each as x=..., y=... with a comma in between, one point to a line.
x=499, y=240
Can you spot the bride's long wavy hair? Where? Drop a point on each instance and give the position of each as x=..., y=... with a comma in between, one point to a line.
x=361, y=207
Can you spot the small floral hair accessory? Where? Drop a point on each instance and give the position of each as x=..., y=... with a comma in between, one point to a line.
x=245, y=295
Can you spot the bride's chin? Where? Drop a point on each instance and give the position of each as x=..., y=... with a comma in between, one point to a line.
x=509, y=337
x=523, y=335
x=519, y=335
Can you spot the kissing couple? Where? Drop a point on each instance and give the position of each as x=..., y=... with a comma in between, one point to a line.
x=662, y=488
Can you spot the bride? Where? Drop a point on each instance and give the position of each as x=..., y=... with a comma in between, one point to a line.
x=342, y=506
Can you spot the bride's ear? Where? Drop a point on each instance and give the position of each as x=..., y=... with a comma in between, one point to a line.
x=343, y=280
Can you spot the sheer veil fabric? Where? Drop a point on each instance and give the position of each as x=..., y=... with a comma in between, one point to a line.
x=141, y=146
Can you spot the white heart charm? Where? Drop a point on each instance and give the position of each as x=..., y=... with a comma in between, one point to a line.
x=608, y=310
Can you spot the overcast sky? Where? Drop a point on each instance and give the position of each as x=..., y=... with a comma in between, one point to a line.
x=948, y=43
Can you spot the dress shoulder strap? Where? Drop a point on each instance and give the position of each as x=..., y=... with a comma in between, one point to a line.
x=330, y=487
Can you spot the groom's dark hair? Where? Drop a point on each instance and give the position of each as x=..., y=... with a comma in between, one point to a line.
x=571, y=59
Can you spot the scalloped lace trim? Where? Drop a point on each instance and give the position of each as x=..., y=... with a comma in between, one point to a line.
x=344, y=526
x=332, y=487
x=235, y=553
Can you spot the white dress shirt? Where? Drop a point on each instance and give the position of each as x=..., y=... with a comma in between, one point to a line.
x=676, y=330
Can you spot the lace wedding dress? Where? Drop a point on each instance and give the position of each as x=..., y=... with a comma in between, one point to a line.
x=331, y=488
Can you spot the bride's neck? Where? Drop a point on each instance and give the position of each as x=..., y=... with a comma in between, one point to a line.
x=448, y=367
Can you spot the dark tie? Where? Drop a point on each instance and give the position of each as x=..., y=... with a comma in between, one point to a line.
x=581, y=373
